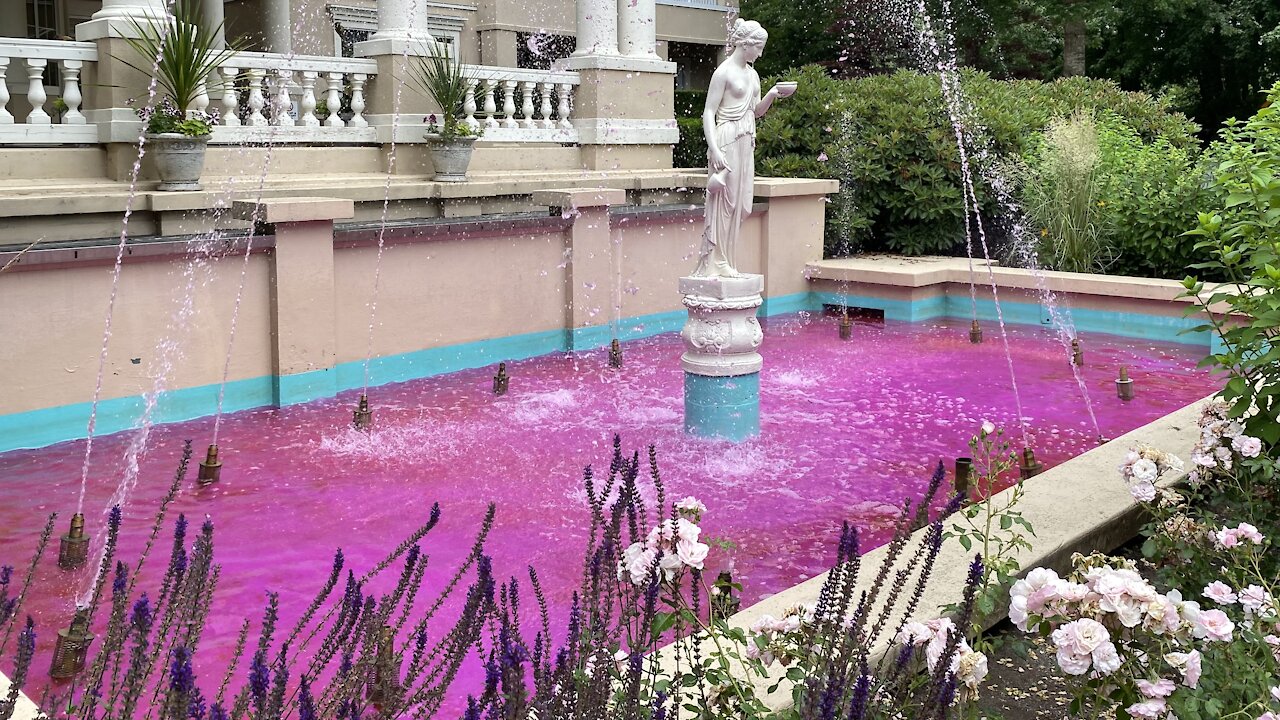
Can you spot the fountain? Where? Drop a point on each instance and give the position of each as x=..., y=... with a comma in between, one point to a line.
x=72, y=647
x=73, y=550
x=1124, y=385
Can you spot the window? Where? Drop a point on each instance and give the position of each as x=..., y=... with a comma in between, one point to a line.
x=537, y=51
x=42, y=20
x=347, y=39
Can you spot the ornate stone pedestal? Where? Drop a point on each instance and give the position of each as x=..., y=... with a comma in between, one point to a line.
x=721, y=363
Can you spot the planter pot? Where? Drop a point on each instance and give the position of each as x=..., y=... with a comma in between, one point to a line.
x=179, y=159
x=450, y=158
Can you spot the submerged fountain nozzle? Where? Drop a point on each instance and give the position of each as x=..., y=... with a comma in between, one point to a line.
x=385, y=684
x=615, y=354
x=72, y=647
x=723, y=600
x=1030, y=467
x=846, y=326
x=1077, y=354
x=210, y=468
x=73, y=551
x=964, y=476
x=362, y=418
x=975, y=332
x=1124, y=385
x=501, y=381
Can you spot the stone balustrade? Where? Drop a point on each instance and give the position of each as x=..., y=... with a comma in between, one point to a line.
x=27, y=114
x=515, y=105
x=274, y=98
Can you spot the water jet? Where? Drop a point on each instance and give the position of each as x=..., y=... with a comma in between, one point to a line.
x=73, y=551
x=72, y=647
x=362, y=417
x=1124, y=385
x=210, y=468
x=1030, y=467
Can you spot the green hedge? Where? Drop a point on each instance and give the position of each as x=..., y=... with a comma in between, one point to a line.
x=689, y=103
x=890, y=141
x=691, y=152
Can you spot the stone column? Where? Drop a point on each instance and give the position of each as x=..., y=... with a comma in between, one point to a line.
x=215, y=19
x=278, y=27
x=113, y=82
x=14, y=15
x=402, y=20
x=303, y=309
x=130, y=9
x=637, y=28
x=721, y=361
x=590, y=275
x=597, y=27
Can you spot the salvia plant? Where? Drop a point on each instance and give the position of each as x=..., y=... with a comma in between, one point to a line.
x=647, y=635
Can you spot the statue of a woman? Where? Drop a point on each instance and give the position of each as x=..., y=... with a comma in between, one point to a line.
x=729, y=123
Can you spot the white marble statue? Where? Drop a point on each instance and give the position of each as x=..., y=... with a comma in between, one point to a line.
x=729, y=123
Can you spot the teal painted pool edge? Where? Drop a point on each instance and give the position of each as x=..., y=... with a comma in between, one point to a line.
x=38, y=428
x=722, y=407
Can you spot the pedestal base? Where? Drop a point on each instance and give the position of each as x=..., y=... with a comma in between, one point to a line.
x=721, y=362
x=722, y=407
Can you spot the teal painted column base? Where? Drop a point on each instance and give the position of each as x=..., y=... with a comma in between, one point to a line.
x=722, y=407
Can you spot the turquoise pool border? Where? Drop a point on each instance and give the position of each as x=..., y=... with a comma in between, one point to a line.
x=38, y=428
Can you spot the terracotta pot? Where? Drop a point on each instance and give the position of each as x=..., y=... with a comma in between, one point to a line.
x=179, y=159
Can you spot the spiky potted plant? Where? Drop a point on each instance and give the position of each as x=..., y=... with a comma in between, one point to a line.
x=449, y=138
x=183, y=53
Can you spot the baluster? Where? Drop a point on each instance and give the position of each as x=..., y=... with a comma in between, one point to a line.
x=256, y=99
x=469, y=104
x=545, y=110
x=281, y=102
x=35, y=92
x=526, y=109
x=200, y=102
x=357, y=100
x=509, y=104
x=490, y=106
x=307, y=107
x=334, y=100
x=71, y=92
x=565, y=94
x=6, y=117
x=230, y=100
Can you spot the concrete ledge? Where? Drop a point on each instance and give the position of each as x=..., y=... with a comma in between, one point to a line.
x=580, y=197
x=294, y=209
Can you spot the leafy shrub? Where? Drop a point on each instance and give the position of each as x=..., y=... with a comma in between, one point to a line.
x=689, y=103
x=889, y=139
x=691, y=152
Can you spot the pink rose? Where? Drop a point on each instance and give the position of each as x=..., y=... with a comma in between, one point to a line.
x=1188, y=664
x=1227, y=538
x=1143, y=491
x=1148, y=709
x=1249, y=532
x=1220, y=593
x=1214, y=625
x=1105, y=658
x=1081, y=637
x=1073, y=664
x=1159, y=689
x=1255, y=598
x=1247, y=446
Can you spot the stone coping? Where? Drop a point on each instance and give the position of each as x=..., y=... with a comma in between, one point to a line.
x=926, y=271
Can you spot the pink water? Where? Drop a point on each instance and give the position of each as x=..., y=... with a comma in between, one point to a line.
x=849, y=429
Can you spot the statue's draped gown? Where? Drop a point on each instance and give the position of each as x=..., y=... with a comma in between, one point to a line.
x=736, y=136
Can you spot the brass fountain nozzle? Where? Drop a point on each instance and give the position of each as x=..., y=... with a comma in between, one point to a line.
x=73, y=550
x=385, y=684
x=1030, y=467
x=72, y=647
x=501, y=381
x=615, y=354
x=975, y=332
x=964, y=476
x=362, y=418
x=1124, y=385
x=1077, y=354
x=210, y=468
x=846, y=326
x=724, y=601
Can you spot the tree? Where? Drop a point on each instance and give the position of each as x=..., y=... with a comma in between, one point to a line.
x=797, y=37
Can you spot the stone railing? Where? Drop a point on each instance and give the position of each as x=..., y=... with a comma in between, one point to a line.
x=272, y=98
x=264, y=97
x=25, y=114
x=515, y=105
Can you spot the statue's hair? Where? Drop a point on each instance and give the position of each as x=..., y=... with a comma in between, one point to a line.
x=747, y=31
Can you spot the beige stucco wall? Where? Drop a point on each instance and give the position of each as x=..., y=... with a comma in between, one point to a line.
x=53, y=329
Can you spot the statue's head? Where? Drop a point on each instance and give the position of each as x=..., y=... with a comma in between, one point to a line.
x=750, y=36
